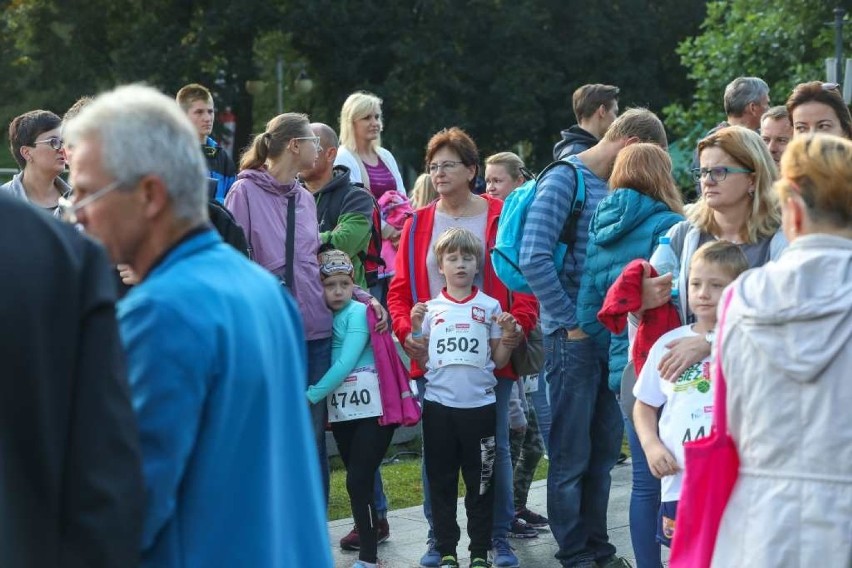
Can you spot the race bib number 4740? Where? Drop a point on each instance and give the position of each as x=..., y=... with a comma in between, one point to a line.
x=357, y=397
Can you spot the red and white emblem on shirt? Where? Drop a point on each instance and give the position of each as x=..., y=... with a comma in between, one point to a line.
x=478, y=314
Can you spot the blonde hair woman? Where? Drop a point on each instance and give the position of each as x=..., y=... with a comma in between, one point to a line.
x=504, y=173
x=369, y=164
x=737, y=204
x=786, y=351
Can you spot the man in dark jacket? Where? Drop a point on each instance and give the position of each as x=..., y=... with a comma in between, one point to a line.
x=71, y=491
x=344, y=211
x=596, y=107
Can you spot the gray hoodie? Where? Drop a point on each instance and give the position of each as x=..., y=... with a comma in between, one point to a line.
x=786, y=349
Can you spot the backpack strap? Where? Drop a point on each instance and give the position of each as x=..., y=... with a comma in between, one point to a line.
x=578, y=203
x=290, y=245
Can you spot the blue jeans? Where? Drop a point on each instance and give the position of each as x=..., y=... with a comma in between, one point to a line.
x=504, y=508
x=541, y=401
x=380, y=501
x=644, y=506
x=585, y=441
x=319, y=360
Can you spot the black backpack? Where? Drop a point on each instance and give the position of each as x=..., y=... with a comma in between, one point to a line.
x=227, y=226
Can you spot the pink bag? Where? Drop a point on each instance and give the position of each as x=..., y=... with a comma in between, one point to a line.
x=711, y=468
x=399, y=405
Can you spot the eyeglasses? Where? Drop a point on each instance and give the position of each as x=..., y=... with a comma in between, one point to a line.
x=69, y=208
x=314, y=139
x=446, y=166
x=718, y=173
x=54, y=142
x=830, y=87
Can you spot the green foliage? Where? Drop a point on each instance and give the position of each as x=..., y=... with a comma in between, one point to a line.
x=782, y=41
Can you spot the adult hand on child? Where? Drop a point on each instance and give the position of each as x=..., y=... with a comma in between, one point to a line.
x=682, y=354
x=512, y=332
x=381, y=315
x=128, y=276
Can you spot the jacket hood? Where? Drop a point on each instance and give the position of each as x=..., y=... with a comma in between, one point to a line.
x=798, y=309
x=340, y=177
x=622, y=211
x=575, y=136
x=262, y=179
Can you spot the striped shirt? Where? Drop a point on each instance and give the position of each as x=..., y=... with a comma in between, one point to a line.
x=381, y=178
x=557, y=292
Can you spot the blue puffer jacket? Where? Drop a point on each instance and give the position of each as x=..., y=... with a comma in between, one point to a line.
x=627, y=225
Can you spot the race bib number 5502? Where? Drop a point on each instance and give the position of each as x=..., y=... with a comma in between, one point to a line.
x=458, y=344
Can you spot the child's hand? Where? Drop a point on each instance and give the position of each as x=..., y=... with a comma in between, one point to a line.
x=661, y=461
x=418, y=313
x=512, y=336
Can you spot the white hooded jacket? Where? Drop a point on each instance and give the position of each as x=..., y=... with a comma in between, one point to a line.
x=787, y=357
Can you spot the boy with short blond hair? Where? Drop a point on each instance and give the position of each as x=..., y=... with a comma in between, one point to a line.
x=688, y=402
x=465, y=331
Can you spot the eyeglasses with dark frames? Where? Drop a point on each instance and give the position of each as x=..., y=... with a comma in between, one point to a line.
x=718, y=173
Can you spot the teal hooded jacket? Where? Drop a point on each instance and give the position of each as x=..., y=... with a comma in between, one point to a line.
x=626, y=225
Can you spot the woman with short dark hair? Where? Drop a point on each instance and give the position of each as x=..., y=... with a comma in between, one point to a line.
x=35, y=141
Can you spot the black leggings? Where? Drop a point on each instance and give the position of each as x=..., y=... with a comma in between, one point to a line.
x=362, y=444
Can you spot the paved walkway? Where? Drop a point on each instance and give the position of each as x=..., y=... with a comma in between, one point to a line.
x=408, y=531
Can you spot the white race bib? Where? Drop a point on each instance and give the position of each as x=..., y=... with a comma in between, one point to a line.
x=356, y=397
x=458, y=343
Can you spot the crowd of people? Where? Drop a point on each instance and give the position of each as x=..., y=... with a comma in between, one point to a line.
x=183, y=332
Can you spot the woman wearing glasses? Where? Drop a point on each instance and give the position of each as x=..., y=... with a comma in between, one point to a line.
x=452, y=161
x=369, y=164
x=818, y=107
x=36, y=145
x=261, y=199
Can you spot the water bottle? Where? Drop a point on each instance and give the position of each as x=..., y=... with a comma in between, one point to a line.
x=664, y=261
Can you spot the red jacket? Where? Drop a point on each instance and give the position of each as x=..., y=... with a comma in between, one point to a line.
x=413, y=249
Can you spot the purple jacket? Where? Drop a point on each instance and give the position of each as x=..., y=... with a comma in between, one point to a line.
x=259, y=203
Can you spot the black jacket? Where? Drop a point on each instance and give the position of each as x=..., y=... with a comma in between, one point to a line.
x=71, y=491
x=574, y=140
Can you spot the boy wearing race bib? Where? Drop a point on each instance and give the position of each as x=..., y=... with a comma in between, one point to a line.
x=688, y=401
x=350, y=388
x=467, y=335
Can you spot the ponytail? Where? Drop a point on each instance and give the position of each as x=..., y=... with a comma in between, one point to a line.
x=271, y=143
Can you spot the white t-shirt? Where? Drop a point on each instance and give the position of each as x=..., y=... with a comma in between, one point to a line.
x=460, y=371
x=687, y=404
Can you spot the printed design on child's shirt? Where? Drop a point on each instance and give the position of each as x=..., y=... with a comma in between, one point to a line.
x=487, y=453
x=477, y=314
x=695, y=377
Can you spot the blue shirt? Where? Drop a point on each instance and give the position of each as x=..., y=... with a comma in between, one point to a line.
x=557, y=291
x=216, y=365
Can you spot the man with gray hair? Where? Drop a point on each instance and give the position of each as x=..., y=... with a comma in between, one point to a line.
x=215, y=350
x=746, y=99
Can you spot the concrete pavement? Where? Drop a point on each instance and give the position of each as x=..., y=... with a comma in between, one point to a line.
x=408, y=531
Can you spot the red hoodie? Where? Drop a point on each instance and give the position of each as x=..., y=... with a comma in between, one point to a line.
x=415, y=248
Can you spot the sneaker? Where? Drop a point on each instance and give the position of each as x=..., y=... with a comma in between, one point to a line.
x=479, y=563
x=432, y=558
x=532, y=519
x=352, y=541
x=449, y=561
x=519, y=529
x=614, y=562
x=503, y=555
